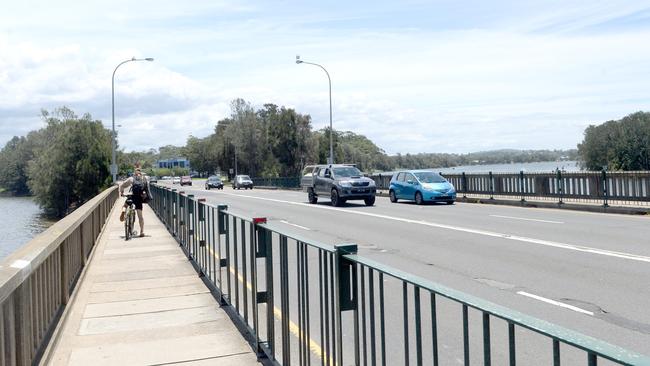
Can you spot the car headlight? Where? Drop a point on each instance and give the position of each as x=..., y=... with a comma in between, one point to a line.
x=371, y=183
x=346, y=184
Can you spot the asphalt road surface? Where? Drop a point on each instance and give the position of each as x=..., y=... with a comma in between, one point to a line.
x=584, y=271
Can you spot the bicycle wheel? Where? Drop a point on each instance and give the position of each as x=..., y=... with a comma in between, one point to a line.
x=127, y=226
x=132, y=224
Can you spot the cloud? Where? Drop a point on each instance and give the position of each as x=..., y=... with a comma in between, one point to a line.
x=504, y=76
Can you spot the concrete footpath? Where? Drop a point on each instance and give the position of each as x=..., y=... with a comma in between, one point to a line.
x=140, y=302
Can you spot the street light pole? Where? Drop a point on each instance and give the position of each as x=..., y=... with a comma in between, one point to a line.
x=113, y=145
x=299, y=61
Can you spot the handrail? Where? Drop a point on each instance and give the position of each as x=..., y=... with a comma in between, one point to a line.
x=581, y=341
x=36, y=280
x=268, y=275
x=21, y=263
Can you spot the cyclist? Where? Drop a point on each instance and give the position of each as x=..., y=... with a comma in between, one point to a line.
x=140, y=194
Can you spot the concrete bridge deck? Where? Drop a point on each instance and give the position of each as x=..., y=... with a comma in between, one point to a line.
x=141, y=303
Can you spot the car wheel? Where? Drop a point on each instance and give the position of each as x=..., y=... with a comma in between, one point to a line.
x=335, y=199
x=369, y=201
x=207, y=188
x=450, y=202
x=312, y=197
x=393, y=197
x=418, y=198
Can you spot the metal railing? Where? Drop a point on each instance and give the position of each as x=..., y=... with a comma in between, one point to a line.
x=308, y=303
x=36, y=281
x=287, y=182
x=596, y=187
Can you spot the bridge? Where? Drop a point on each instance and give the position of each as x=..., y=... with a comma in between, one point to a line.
x=246, y=277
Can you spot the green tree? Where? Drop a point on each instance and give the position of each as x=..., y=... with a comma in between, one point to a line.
x=617, y=145
x=14, y=158
x=71, y=162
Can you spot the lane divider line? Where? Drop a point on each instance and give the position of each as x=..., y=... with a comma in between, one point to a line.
x=526, y=219
x=556, y=303
x=523, y=239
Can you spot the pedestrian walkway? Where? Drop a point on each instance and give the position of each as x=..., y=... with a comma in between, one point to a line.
x=141, y=302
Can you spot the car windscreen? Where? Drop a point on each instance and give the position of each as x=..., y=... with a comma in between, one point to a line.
x=244, y=177
x=429, y=177
x=346, y=172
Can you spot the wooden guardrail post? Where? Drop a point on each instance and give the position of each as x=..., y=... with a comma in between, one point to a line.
x=23, y=323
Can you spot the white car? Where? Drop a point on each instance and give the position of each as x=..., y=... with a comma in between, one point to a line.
x=176, y=180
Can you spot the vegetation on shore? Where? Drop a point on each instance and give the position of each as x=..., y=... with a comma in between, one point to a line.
x=618, y=145
x=67, y=162
x=277, y=142
x=63, y=164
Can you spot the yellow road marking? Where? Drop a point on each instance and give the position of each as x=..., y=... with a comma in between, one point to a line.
x=293, y=327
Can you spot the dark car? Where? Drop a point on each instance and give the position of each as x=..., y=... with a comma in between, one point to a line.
x=340, y=182
x=242, y=181
x=214, y=181
x=186, y=180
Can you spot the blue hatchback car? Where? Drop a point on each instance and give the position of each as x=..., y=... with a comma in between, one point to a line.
x=421, y=186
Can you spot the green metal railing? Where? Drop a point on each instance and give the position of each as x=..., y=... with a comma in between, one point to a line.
x=308, y=303
x=286, y=182
x=597, y=187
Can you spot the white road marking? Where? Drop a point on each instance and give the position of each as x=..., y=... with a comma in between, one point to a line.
x=296, y=225
x=525, y=219
x=523, y=239
x=556, y=303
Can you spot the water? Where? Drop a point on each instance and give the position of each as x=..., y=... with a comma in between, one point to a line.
x=539, y=167
x=21, y=220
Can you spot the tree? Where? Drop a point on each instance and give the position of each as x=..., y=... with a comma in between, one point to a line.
x=14, y=158
x=71, y=162
x=617, y=145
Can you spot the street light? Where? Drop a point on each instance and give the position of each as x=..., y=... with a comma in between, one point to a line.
x=113, y=160
x=299, y=61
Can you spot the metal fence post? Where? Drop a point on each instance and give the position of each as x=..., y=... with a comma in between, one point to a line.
x=491, y=178
x=190, y=227
x=521, y=185
x=560, y=189
x=463, y=184
x=605, y=192
x=346, y=298
x=223, y=263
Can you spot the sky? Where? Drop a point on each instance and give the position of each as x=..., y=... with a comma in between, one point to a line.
x=413, y=76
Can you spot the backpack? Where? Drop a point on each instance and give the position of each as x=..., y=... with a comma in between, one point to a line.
x=138, y=188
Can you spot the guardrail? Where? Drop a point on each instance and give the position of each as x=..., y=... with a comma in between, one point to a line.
x=288, y=182
x=601, y=187
x=36, y=281
x=304, y=302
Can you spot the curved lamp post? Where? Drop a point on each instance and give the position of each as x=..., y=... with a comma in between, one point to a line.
x=113, y=160
x=299, y=61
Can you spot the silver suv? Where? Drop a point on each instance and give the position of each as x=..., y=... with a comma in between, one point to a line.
x=340, y=182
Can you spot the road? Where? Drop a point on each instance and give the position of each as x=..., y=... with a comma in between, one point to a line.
x=584, y=271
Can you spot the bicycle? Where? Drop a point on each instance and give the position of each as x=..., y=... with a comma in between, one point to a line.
x=129, y=217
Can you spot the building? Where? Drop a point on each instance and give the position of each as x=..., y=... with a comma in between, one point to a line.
x=173, y=163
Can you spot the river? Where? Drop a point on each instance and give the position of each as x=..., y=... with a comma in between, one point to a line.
x=539, y=167
x=21, y=220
